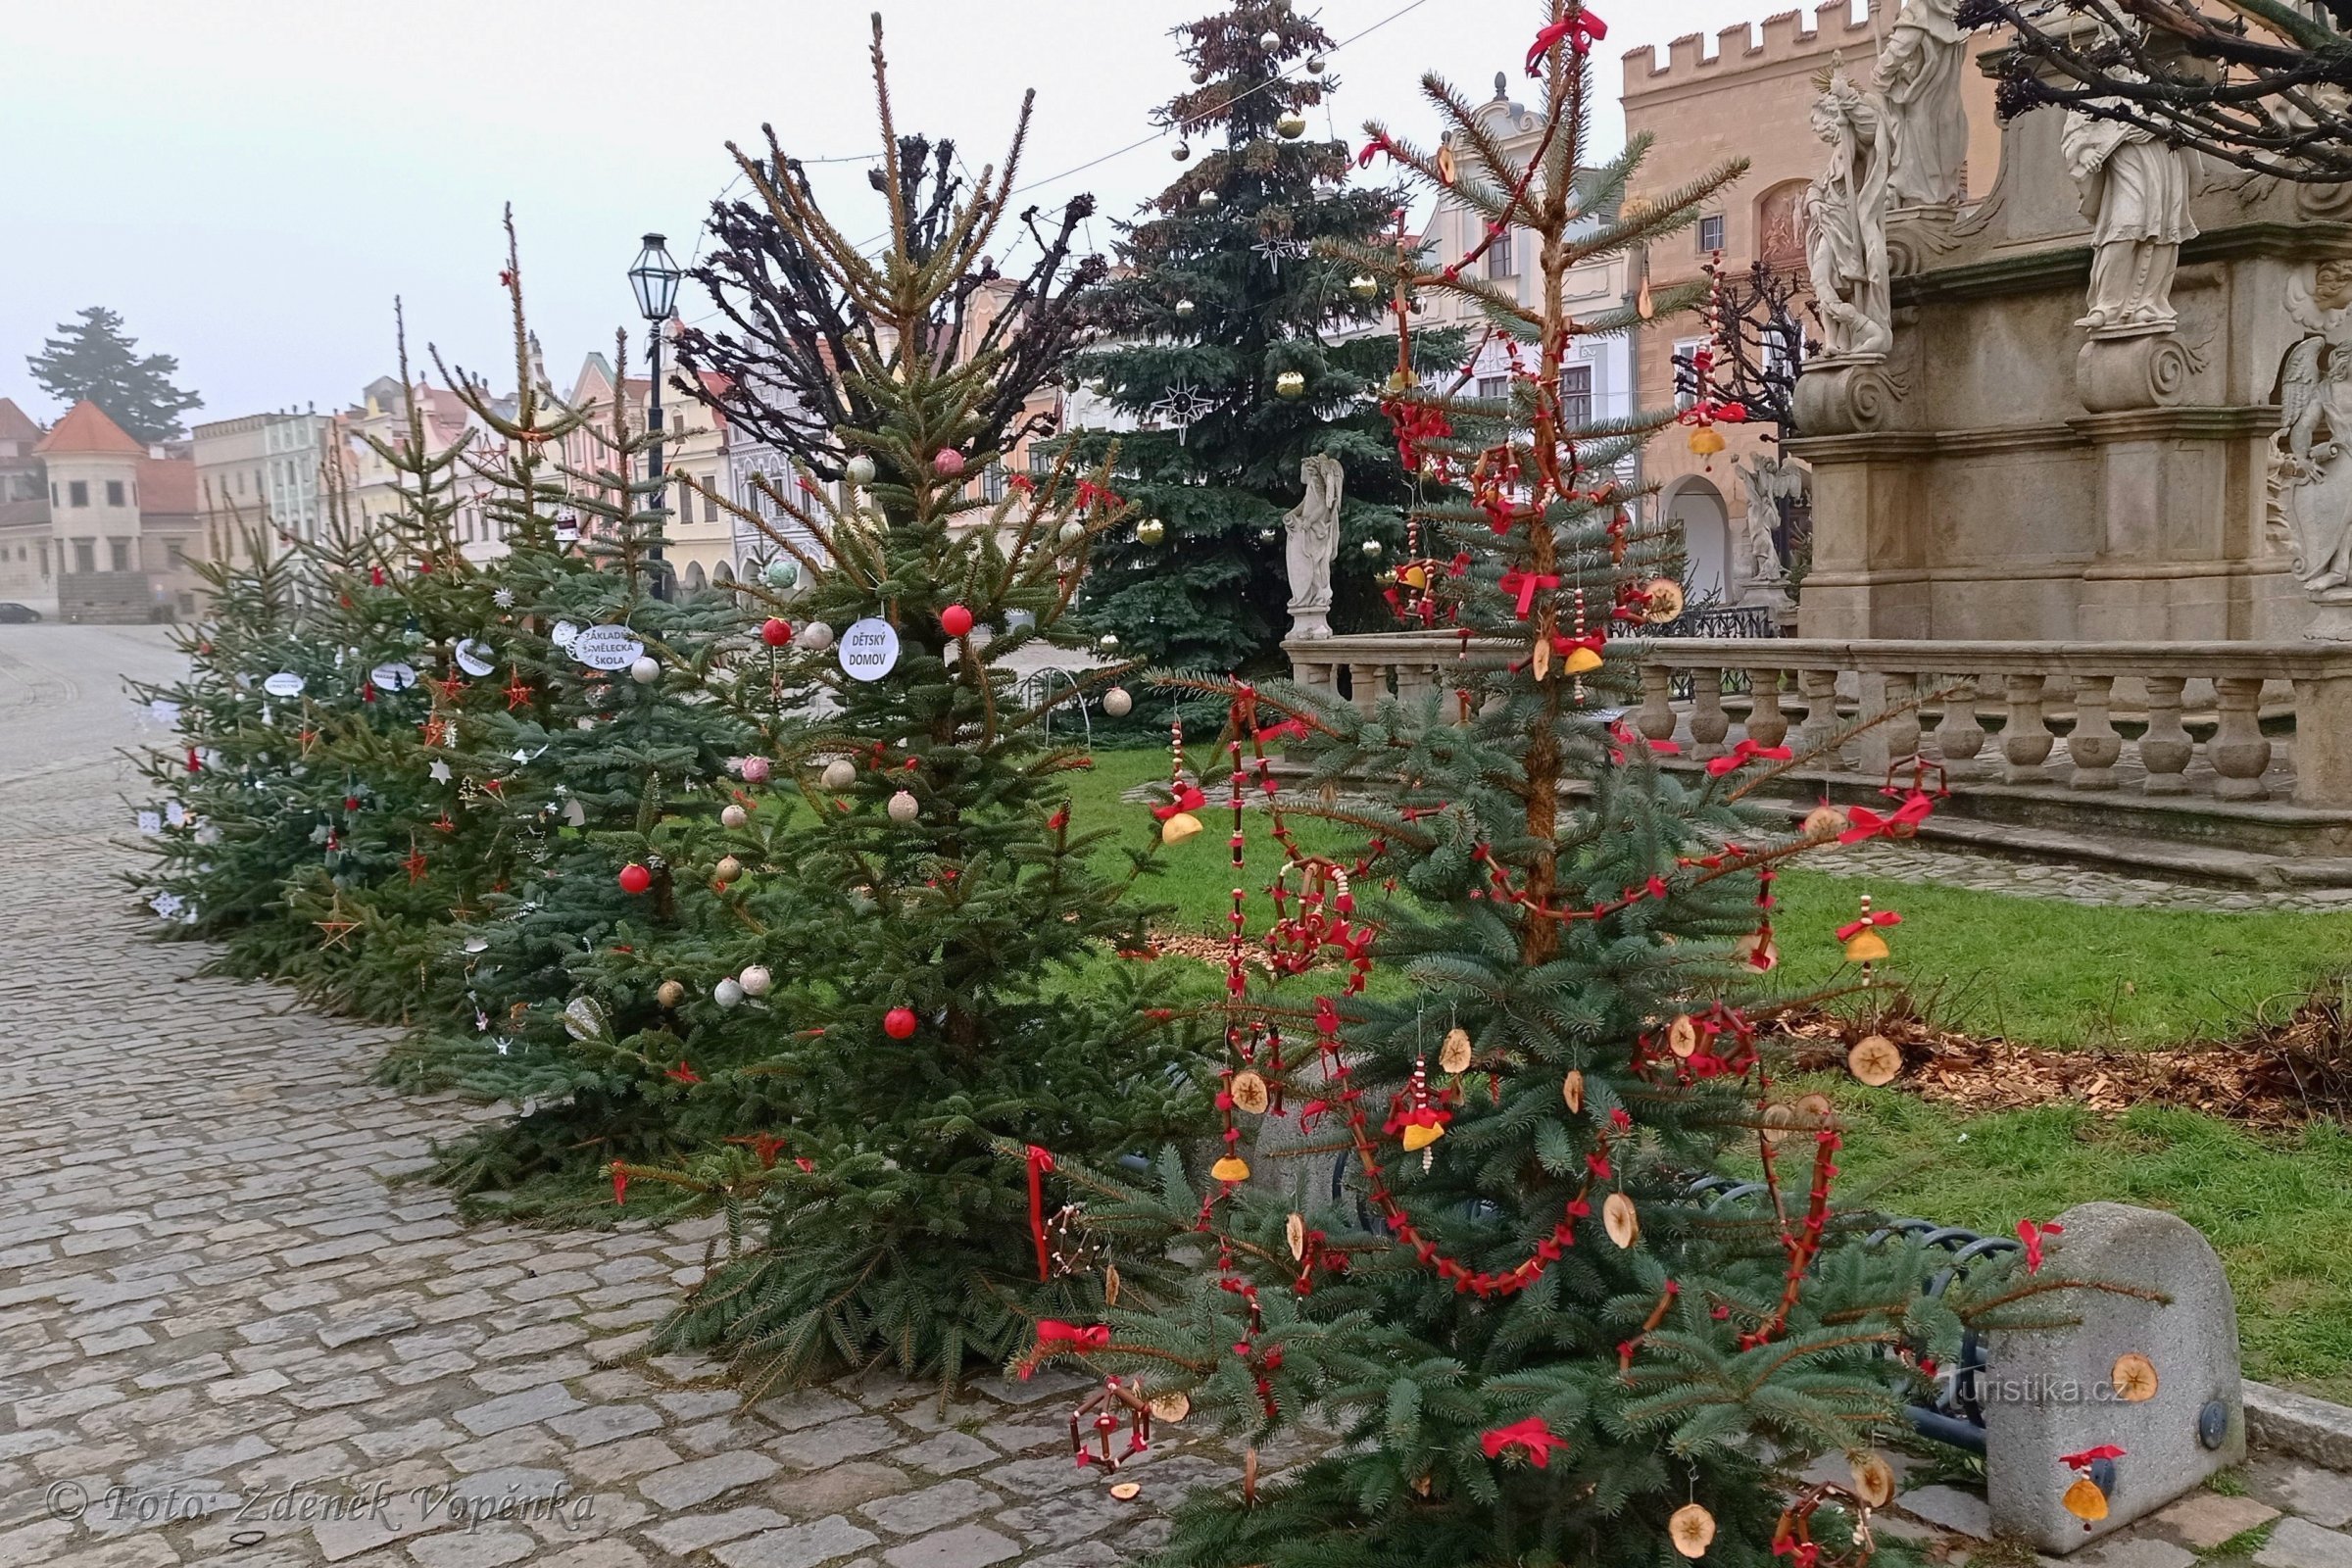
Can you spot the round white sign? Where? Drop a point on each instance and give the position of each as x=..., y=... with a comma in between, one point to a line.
x=869, y=649
x=561, y=633
x=473, y=656
x=606, y=647
x=393, y=677
x=285, y=683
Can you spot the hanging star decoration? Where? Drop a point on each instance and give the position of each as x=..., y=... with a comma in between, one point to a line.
x=439, y=770
x=518, y=691
x=1184, y=406
x=504, y=599
x=450, y=685
x=415, y=863
x=338, y=924
x=1276, y=248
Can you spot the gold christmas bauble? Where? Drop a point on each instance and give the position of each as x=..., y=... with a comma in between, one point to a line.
x=671, y=993
x=728, y=869
x=1363, y=285
x=1151, y=531
x=1291, y=125
x=1290, y=384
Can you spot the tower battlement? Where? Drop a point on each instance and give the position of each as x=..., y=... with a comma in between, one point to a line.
x=1787, y=36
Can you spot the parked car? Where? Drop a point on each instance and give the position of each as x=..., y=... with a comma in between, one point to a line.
x=16, y=613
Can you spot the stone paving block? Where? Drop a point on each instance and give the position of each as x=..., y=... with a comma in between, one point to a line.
x=1961, y=1512
x=484, y=1549
x=801, y=1546
x=2300, y=1543
x=619, y=1461
x=693, y=1532
x=808, y=1408
x=2203, y=1520
x=970, y=1546
x=914, y=1512
x=949, y=1453
x=815, y=1447
x=837, y=1488
x=2134, y=1550
x=605, y=1423
x=596, y=1554
x=517, y=1409
x=700, y=1480
x=2322, y=1497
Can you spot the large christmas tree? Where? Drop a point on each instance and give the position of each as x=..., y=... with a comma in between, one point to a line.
x=1542, y=1335
x=1240, y=350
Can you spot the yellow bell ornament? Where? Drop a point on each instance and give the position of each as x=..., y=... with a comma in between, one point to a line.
x=1706, y=441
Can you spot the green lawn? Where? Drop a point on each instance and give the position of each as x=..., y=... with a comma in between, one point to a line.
x=2042, y=971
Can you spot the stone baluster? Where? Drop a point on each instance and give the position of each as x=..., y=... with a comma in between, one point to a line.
x=2237, y=750
x=2165, y=748
x=1710, y=723
x=2093, y=747
x=1767, y=724
x=2324, y=741
x=2026, y=740
x=1371, y=683
x=1894, y=739
x=1656, y=719
x=1414, y=682
x=1819, y=689
x=1958, y=735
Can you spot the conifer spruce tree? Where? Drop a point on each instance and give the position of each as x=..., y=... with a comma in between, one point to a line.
x=1241, y=349
x=1542, y=1333
x=940, y=989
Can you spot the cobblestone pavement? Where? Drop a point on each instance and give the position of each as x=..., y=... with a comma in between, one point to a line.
x=224, y=1337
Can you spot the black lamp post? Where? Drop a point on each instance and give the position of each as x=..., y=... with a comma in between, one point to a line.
x=653, y=279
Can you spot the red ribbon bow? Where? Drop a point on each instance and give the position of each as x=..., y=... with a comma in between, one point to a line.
x=1040, y=1161
x=2032, y=1235
x=1525, y=584
x=1581, y=31
x=1531, y=1435
x=2089, y=1456
x=1054, y=1331
x=1744, y=753
x=1372, y=149
x=1188, y=799
x=1854, y=928
x=1865, y=824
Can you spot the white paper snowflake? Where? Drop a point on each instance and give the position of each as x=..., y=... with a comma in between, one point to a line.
x=1277, y=248
x=166, y=905
x=439, y=770
x=504, y=599
x=1183, y=407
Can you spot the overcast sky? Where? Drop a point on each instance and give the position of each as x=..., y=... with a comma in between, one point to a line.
x=250, y=182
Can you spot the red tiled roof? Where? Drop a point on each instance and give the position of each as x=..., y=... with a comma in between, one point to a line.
x=86, y=428
x=15, y=424
x=166, y=485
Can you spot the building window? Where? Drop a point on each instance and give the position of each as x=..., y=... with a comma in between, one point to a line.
x=176, y=554
x=1498, y=256
x=991, y=482
x=1494, y=386
x=86, y=555
x=1575, y=395
x=113, y=492
x=120, y=550
x=1039, y=463
x=1685, y=378
x=1710, y=233
x=77, y=492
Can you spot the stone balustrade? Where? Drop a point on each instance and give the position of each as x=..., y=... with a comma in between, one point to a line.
x=2159, y=718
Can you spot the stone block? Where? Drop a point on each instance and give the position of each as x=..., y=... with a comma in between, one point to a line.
x=2203, y=1520
x=2138, y=1551
x=2323, y=1497
x=914, y=1512
x=2050, y=1391
x=2300, y=1543
x=972, y=1547
x=950, y=1453
x=693, y=1532
x=698, y=1481
x=1949, y=1508
x=489, y=1548
x=801, y=1546
x=517, y=1409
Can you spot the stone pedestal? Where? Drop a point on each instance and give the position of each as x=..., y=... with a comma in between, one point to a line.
x=1310, y=623
x=2141, y=369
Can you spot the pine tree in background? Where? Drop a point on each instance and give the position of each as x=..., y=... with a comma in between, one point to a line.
x=1240, y=350
x=1538, y=1340
x=93, y=357
x=938, y=982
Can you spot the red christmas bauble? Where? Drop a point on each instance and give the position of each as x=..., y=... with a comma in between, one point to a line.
x=635, y=878
x=775, y=633
x=898, y=1022
x=949, y=462
x=955, y=621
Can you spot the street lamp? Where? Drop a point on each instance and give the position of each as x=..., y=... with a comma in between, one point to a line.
x=653, y=279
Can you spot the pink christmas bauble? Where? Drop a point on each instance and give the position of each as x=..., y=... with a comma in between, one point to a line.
x=949, y=462
x=755, y=769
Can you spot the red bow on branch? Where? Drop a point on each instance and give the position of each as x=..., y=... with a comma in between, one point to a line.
x=1866, y=823
x=1532, y=1436
x=1854, y=928
x=1525, y=584
x=1188, y=799
x=2089, y=1456
x=2032, y=1235
x=1379, y=144
x=1040, y=1161
x=1581, y=31
x=1744, y=753
x=1054, y=1331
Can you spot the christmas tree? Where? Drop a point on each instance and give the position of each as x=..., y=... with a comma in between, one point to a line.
x=1541, y=1334
x=1241, y=350
x=937, y=993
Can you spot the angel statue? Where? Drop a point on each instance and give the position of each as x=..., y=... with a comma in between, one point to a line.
x=1768, y=483
x=1845, y=219
x=1312, y=538
x=2311, y=453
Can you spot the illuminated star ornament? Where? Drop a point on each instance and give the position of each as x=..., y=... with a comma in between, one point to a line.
x=1275, y=248
x=1184, y=406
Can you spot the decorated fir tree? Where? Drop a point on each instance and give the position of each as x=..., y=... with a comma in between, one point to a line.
x=1241, y=349
x=939, y=984
x=1541, y=1334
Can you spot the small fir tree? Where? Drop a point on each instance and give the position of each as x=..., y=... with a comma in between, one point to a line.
x=1540, y=1335
x=1240, y=350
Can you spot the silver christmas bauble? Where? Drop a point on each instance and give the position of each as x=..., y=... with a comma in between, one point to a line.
x=838, y=774
x=1116, y=703
x=727, y=993
x=733, y=817
x=755, y=981
x=815, y=637
x=1363, y=285
x=1314, y=64
x=1210, y=201
x=1072, y=531
x=646, y=671
x=1184, y=307
x=1269, y=40
x=1180, y=151
x=1108, y=642
x=1372, y=549
x=904, y=807
x=861, y=469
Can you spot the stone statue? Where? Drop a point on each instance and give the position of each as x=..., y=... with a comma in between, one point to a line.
x=1919, y=77
x=1845, y=221
x=2136, y=193
x=1768, y=483
x=1311, y=530
x=2310, y=477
